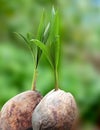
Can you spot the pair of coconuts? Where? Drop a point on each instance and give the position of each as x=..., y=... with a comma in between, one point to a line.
x=29, y=111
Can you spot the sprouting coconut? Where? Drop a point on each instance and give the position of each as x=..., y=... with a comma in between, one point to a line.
x=16, y=114
x=57, y=110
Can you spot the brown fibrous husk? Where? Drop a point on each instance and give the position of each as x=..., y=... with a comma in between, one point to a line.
x=16, y=114
x=56, y=111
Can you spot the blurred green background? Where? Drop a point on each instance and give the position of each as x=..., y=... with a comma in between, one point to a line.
x=80, y=53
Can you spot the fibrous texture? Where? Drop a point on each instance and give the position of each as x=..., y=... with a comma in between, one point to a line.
x=16, y=114
x=56, y=111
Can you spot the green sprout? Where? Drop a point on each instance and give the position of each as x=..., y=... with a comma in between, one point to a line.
x=52, y=48
x=42, y=36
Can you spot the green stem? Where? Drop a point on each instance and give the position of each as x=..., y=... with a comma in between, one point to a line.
x=56, y=79
x=34, y=79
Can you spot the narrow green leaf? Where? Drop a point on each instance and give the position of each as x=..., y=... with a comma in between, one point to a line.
x=54, y=46
x=57, y=52
x=40, y=37
x=41, y=27
x=29, y=36
x=57, y=41
x=22, y=37
x=30, y=46
x=56, y=24
x=44, y=49
x=46, y=33
x=53, y=49
x=39, y=52
x=46, y=29
x=52, y=26
x=53, y=11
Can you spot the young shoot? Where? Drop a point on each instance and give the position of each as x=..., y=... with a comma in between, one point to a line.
x=42, y=36
x=52, y=48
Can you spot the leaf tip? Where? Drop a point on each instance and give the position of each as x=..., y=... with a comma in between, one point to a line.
x=53, y=10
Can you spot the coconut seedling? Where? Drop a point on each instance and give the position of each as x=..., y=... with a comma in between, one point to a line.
x=57, y=110
x=16, y=114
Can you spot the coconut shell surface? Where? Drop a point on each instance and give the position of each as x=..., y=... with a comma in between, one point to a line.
x=56, y=111
x=16, y=114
